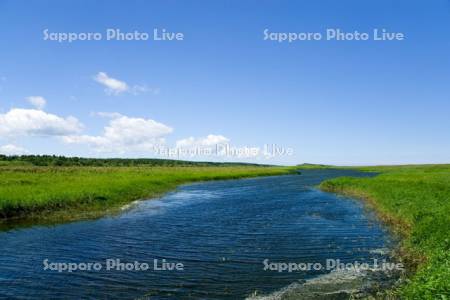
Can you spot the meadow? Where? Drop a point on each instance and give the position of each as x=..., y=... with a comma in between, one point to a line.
x=415, y=201
x=74, y=192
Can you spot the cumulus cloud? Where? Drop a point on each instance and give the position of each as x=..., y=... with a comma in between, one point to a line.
x=11, y=149
x=124, y=134
x=37, y=101
x=217, y=146
x=209, y=141
x=113, y=86
x=33, y=122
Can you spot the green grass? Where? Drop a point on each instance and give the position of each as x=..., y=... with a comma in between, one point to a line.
x=415, y=200
x=83, y=192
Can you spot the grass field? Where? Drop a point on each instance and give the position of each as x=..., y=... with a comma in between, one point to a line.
x=415, y=200
x=84, y=192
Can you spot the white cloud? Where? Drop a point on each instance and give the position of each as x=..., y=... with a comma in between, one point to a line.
x=113, y=86
x=124, y=134
x=216, y=146
x=13, y=150
x=37, y=101
x=209, y=141
x=35, y=122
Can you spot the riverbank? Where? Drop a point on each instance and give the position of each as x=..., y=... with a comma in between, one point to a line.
x=223, y=232
x=73, y=193
x=415, y=201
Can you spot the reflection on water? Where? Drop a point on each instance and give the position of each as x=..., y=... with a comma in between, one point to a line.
x=221, y=231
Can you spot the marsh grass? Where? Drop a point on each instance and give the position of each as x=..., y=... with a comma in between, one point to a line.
x=415, y=201
x=83, y=192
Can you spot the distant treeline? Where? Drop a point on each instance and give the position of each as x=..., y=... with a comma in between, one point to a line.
x=54, y=160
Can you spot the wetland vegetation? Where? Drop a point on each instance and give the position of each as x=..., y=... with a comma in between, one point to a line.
x=415, y=201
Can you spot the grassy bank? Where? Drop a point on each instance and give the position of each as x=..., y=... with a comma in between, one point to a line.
x=415, y=200
x=84, y=192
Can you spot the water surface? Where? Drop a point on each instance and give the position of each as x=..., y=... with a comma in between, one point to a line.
x=221, y=231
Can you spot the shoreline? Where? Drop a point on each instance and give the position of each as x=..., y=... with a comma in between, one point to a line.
x=397, y=199
x=410, y=200
x=400, y=229
x=91, y=210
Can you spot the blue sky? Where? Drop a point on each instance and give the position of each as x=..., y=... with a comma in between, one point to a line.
x=334, y=102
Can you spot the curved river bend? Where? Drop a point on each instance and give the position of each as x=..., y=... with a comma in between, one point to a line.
x=220, y=231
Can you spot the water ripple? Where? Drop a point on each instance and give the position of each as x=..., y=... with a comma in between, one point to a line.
x=221, y=231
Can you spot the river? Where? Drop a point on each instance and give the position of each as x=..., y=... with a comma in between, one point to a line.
x=220, y=232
